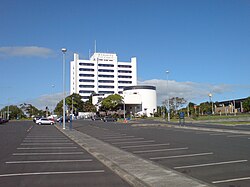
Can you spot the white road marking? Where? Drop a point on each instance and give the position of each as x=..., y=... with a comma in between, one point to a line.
x=181, y=156
x=160, y=150
x=51, y=143
x=116, y=137
x=211, y=164
x=217, y=134
x=27, y=148
x=147, y=141
x=46, y=161
x=238, y=135
x=61, y=153
x=148, y=145
x=51, y=173
x=231, y=180
x=46, y=139
x=124, y=139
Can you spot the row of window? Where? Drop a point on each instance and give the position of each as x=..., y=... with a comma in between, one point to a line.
x=105, y=70
x=104, y=65
x=100, y=86
x=103, y=81
x=108, y=76
x=101, y=92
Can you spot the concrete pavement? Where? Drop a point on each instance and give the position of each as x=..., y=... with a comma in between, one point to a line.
x=135, y=170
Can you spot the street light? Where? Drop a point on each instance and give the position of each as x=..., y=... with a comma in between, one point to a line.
x=210, y=99
x=167, y=72
x=64, y=50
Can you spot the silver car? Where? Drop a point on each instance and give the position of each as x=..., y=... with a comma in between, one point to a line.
x=45, y=121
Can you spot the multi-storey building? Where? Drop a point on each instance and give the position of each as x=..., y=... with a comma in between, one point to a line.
x=101, y=74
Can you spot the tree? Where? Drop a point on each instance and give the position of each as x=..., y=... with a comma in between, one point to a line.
x=14, y=112
x=176, y=103
x=206, y=108
x=246, y=105
x=111, y=102
x=78, y=105
x=31, y=110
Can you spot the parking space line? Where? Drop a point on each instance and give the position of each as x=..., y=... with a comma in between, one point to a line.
x=61, y=153
x=160, y=150
x=45, y=138
x=181, y=156
x=27, y=148
x=148, y=145
x=218, y=134
x=146, y=141
x=124, y=139
x=51, y=173
x=211, y=164
x=47, y=161
x=238, y=135
x=51, y=143
x=231, y=180
x=45, y=141
x=116, y=137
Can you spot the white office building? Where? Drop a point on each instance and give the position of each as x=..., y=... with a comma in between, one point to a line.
x=101, y=74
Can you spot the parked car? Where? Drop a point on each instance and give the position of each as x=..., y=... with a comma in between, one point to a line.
x=67, y=119
x=94, y=118
x=109, y=118
x=3, y=120
x=45, y=121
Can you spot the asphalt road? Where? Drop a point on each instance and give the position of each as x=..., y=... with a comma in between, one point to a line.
x=33, y=155
x=218, y=158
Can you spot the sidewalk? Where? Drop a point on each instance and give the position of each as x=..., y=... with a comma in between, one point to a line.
x=135, y=170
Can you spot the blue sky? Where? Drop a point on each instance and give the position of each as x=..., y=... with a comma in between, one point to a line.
x=204, y=44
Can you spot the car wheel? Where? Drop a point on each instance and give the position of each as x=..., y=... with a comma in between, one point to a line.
x=39, y=123
x=51, y=123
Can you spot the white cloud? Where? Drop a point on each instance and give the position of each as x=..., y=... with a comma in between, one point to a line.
x=26, y=51
x=46, y=100
x=191, y=91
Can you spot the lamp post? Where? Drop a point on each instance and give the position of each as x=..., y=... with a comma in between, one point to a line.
x=52, y=111
x=64, y=50
x=168, y=108
x=72, y=111
x=210, y=99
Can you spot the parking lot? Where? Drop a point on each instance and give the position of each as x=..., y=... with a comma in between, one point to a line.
x=218, y=158
x=43, y=156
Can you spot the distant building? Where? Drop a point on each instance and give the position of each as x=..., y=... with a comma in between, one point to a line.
x=229, y=107
x=101, y=74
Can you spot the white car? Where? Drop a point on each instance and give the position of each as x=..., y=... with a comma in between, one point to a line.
x=45, y=121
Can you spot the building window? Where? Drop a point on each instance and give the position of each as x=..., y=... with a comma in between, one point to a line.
x=86, y=91
x=120, y=87
x=125, y=77
x=106, y=65
x=105, y=70
x=125, y=82
x=106, y=81
x=124, y=66
x=85, y=97
x=86, y=86
x=101, y=86
x=124, y=71
x=86, y=64
x=86, y=75
x=85, y=69
x=107, y=76
x=106, y=92
x=86, y=80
